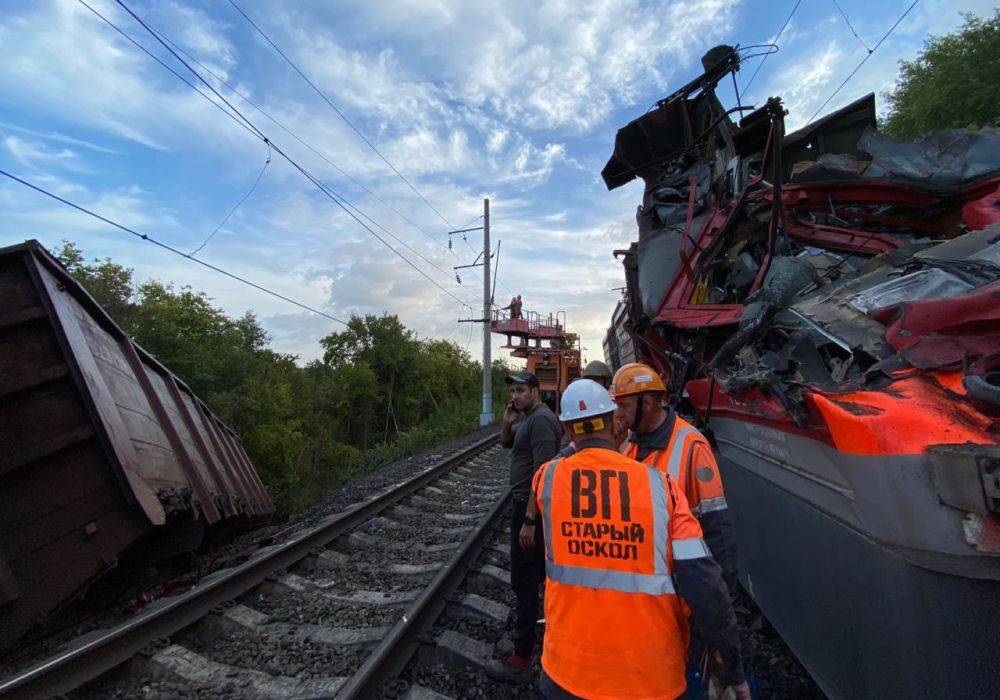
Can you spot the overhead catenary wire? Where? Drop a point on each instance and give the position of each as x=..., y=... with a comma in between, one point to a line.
x=778, y=36
x=319, y=154
x=340, y=113
x=865, y=59
x=466, y=225
x=374, y=195
x=331, y=194
x=170, y=248
x=851, y=27
x=166, y=66
x=238, y=204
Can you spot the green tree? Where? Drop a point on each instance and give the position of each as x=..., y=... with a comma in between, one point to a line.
x=110, y=284
x=952, y=84
x=379, y=392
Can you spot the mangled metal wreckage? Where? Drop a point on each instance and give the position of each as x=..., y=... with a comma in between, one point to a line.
x=828, y=303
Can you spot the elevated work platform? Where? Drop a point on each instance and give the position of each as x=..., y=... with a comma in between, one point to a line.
x=556, y=363
x=530, y=325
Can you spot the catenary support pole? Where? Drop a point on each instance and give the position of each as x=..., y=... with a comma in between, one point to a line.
x=486, y=416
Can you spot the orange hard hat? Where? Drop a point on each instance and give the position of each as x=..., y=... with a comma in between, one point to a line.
x=636, y=378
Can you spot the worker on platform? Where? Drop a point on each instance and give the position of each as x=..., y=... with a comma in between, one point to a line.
x=623, y=555
x=661, y=438
x=532, y=433
x=514, y=307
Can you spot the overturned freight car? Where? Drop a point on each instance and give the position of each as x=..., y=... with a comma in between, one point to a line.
x=105, y=455
x=828, y=303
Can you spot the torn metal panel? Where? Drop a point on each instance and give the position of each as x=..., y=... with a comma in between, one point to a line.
x=836, y=135
x=923, y=284
x=937, y=159
x=842, y=330
x=940, y=332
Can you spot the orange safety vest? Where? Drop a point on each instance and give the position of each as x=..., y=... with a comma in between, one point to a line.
x=689, y=461
x=615, y=627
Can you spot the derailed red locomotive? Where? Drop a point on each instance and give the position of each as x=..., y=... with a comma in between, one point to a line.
x=105, y=456
x=827, y=303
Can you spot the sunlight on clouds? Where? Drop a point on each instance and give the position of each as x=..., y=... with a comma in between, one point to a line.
x=517, y=101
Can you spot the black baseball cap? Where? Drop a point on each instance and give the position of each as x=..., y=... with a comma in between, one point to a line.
x=522, y=378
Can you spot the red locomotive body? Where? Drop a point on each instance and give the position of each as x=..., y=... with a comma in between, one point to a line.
x=826, y=304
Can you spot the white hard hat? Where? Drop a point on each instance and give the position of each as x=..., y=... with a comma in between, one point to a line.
x=584, y=398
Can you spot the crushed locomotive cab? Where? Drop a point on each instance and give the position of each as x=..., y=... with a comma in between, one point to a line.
x=829, y=302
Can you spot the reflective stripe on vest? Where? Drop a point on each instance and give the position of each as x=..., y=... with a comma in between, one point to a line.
x=676, y=453
x=658, y=583
x=546, y=495
x=708, y=505
x=691, y=548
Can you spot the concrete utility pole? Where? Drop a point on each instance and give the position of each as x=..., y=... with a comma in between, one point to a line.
x=486, y=416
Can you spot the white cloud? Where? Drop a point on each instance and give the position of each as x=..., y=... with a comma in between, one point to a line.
x=56, y=137
x=815, y=59
x=517, y=101
x=34, y=154
x=62, y=55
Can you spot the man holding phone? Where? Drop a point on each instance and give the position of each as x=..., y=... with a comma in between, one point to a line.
x=532, y=432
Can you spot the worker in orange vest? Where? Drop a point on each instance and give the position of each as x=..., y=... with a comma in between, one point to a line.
x=621, y=551
x=661, y=438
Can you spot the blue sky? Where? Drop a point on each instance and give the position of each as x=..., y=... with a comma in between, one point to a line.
x=516, y=101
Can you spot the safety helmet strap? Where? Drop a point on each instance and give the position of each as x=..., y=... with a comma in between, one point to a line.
x=637, y=414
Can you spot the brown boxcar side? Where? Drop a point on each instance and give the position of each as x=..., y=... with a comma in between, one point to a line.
x=101, y=447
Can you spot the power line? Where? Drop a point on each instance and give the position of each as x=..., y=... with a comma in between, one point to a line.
x=865, y=59
x=331, y=194
x=238, y=204
x=323, y=157
x=780, y=32
x=464, y=238
x=170, y=248
x=851, y=26
x=162, y=63
x=295, y=136
x=339, y=113
x=466, y=225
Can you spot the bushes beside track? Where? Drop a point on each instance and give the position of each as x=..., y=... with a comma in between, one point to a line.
x=378, y=393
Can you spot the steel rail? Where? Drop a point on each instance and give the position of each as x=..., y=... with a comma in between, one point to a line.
x=101, y=652
x=394, y=651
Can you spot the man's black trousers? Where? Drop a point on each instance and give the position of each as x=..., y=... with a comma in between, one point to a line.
x=527, y=572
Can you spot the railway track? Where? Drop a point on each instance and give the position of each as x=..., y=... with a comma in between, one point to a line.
x=338, y=609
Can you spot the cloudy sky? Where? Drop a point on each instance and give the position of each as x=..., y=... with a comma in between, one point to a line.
x=515, y=101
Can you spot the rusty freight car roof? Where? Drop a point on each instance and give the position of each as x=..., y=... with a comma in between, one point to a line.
x=208, y=451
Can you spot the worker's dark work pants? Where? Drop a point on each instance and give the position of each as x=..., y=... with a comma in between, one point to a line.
x=548, y=689
x=527, y=571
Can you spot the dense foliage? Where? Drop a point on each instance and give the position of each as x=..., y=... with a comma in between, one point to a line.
x=952, y=84
x=378, y=393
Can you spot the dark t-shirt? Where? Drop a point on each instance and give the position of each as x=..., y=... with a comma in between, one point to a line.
x=536, y=441
x=656, y=439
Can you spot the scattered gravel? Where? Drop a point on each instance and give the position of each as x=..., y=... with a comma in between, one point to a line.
x=297, y=607
x=285, y=656
x=773, y=669
x=777, y=672
x=468, y=684
x=166, y=689
x=489, y=631
x=362, y=487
